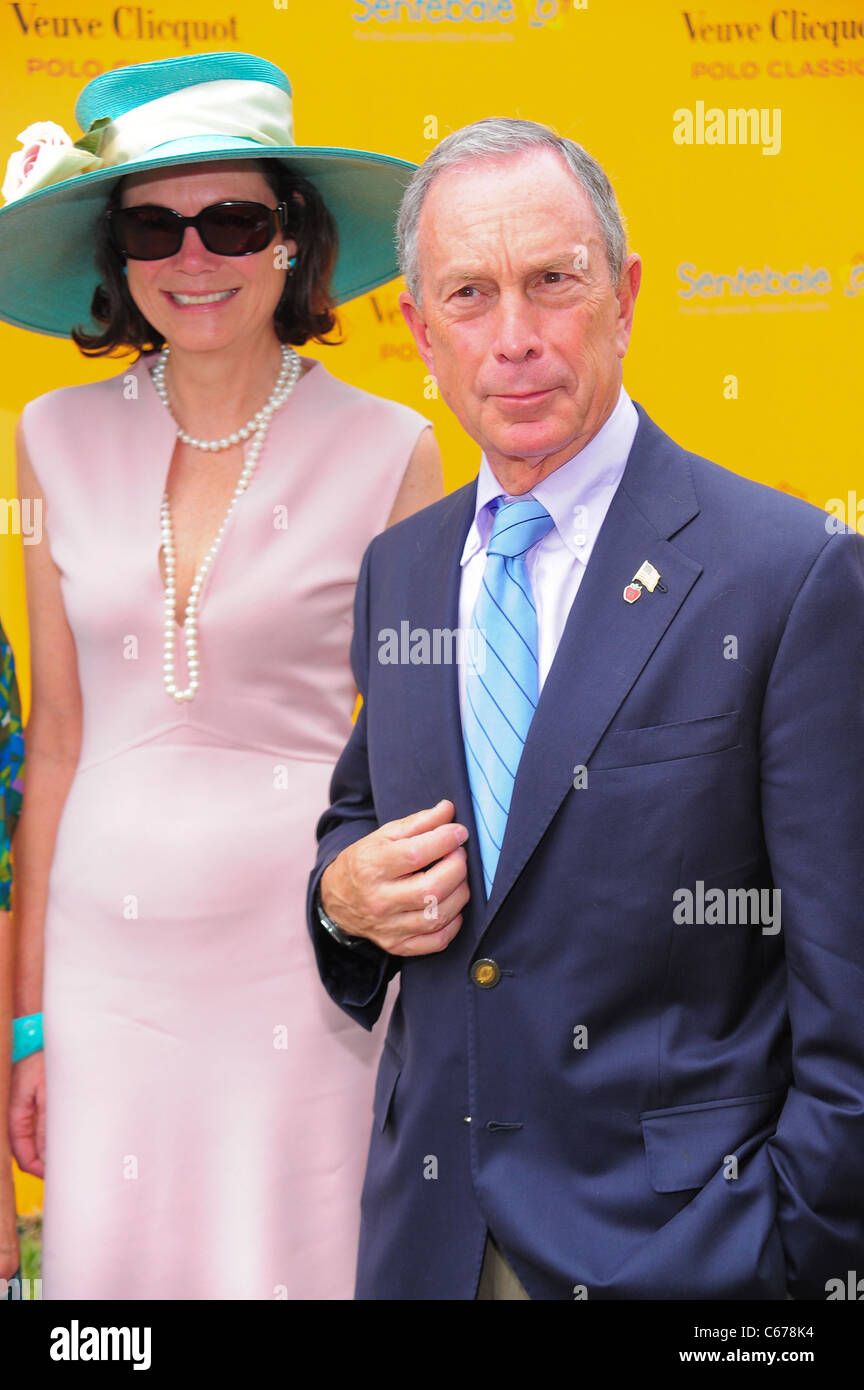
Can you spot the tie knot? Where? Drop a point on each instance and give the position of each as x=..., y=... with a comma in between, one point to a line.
x=518, y=526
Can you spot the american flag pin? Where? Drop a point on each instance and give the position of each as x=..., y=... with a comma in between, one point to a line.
x=647, y=575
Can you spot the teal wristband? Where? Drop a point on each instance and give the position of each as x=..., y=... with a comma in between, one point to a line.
x=26, y=1036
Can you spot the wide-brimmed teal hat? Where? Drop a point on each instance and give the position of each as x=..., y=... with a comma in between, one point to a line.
x=176, y=111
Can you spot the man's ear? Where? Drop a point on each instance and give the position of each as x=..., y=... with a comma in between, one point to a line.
x=413, y=315
x=628, y=288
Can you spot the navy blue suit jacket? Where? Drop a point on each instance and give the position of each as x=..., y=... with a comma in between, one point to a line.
x=703, y=1137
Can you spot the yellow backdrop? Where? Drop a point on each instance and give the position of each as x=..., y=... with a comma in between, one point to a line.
x=749, y=322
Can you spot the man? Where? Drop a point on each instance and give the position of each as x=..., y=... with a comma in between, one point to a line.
x=626, y=1060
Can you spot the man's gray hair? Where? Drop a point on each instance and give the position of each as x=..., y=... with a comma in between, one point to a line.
x=489, y=139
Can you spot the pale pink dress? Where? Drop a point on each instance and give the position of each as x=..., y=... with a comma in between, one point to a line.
x=208, y=1107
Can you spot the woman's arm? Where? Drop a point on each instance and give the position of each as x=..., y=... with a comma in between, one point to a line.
x=423, y=482
x=53, y=738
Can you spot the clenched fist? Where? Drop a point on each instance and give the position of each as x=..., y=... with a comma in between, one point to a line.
x=404, y=886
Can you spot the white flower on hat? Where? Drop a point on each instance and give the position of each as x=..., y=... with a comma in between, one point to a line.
x=48, y=156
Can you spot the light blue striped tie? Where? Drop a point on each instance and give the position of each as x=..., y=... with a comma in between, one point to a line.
x=501, y=675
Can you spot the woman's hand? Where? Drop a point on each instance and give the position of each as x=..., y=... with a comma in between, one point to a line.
x=27, y=1114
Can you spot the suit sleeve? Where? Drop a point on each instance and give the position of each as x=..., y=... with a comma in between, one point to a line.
x=355, y=977
x=813, y=816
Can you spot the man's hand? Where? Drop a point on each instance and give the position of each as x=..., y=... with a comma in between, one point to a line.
x=381, y=888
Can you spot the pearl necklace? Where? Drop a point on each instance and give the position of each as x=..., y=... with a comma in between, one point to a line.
x=257, y=426
x=285, y=383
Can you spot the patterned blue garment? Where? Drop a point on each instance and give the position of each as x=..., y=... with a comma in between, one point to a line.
x=11, y=765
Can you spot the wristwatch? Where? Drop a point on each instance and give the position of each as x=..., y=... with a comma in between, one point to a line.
x=329, y=925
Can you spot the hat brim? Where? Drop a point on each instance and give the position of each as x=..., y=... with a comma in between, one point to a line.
x=48, y=238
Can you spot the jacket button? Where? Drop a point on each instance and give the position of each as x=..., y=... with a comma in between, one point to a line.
x=485, y=973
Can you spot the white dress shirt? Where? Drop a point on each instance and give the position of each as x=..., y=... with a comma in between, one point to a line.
x=577, y=497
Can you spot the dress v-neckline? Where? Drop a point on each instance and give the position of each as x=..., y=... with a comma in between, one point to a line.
x=309, y=365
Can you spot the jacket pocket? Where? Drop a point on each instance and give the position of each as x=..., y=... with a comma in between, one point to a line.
x=664, y=742
x=385, y=1084
x=687, y=1144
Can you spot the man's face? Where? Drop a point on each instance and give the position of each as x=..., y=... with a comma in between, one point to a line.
x=520, y=322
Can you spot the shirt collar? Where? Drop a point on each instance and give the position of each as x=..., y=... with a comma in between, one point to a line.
x=576, y=494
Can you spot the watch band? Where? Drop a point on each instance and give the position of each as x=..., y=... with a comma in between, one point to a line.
x=330, y=926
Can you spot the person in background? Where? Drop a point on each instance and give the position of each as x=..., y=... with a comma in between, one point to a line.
x=11, y=784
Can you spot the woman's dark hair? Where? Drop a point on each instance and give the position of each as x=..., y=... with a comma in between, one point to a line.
x=305, y=310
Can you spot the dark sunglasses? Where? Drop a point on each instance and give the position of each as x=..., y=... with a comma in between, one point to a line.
x=148, y=232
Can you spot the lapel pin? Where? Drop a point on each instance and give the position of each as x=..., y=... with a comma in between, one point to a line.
x=646, y=575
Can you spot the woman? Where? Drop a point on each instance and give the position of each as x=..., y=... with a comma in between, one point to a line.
x=11, y=763
x=205, y=514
